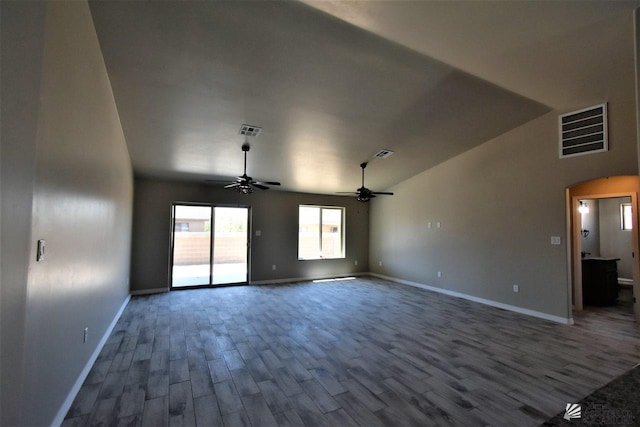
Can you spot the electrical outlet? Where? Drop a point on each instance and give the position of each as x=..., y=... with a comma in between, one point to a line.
x=380, y=263
x=429, y=225
x=438, y=224
x=355, y=262
x=516, y=288
x=439, y=273
x=258, y=233
x=555, y=240
x=85, y=336
x=273, y=267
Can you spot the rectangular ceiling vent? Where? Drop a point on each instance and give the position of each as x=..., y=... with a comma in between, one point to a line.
x=249, y=130
x=383, y=154
x=584, y=131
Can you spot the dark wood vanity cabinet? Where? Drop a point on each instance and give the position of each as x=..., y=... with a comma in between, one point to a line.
x=599, y=281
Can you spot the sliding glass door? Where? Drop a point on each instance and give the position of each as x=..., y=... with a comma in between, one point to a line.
x=230, y=245
x=191, y=245
x=209, y=245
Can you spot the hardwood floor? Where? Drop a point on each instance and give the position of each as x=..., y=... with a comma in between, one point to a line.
x=362, y=352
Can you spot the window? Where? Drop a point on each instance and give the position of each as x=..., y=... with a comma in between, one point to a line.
x=320, y=232
x=625, y=216
x=181, y=226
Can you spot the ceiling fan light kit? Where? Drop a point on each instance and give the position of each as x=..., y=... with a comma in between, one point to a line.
x=363, y=194
x=244, y=184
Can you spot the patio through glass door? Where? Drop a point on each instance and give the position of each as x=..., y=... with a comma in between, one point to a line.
x=210, y=245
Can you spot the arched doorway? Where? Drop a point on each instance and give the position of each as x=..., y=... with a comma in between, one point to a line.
x=609, y=187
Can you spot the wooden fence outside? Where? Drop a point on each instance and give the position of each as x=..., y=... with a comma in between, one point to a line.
x=192, y=248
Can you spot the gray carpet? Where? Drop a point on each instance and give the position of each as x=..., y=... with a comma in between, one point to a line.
x=615, y=404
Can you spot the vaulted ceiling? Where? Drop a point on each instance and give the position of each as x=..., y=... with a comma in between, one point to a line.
x=333, y=82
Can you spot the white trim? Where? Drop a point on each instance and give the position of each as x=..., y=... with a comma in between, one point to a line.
x=624, y=281
x=546, y=316
x=306, y=279
x=62, y=412
x=149, y=291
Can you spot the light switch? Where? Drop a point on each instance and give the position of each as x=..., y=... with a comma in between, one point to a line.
x=258, y=233
x=40, y=252
x=555, y=240
x=438, y=225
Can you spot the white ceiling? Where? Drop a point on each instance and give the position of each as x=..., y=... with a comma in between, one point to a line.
x=333, y=82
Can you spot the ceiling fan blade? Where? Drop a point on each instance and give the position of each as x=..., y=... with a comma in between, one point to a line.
x=267, y=182
x=220, y=181
x=235, y=184
x=262, y=187
x=346, y=192
x=382, y=192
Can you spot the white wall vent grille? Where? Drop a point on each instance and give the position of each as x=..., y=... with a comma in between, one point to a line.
x=584, y=131
x=383, y=154
x=249, y=130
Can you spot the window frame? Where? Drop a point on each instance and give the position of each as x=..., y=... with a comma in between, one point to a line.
x=624, y=224
x=343, y=242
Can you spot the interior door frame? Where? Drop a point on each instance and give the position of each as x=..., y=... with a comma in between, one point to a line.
x=211, y=244
x=603, y=188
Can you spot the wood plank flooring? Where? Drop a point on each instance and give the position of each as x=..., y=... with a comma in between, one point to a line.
x=362, y=352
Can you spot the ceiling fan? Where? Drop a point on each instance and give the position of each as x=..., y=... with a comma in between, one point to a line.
x=363, y=194
x=244, y=184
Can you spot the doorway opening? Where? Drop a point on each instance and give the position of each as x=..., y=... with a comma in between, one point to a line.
x=607, y=252
x=209, y=245
x=603, y=236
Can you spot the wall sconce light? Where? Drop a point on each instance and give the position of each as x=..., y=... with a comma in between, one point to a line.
x=583, y=208
x=584, y=233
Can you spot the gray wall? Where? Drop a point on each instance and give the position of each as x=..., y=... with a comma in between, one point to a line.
x=65, y=157
x=274, y=213
x=22, y=28
x=501, y=202
x=614, y=242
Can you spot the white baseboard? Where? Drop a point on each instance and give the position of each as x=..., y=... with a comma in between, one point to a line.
x=262, y=282
x=305, y=279
x=626, y=282
x=538, y=314
x=62, y=412
x=149, y=291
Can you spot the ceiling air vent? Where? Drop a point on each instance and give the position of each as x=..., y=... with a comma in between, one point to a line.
x=249, y=130
x=584, y=131
x=383, y=154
